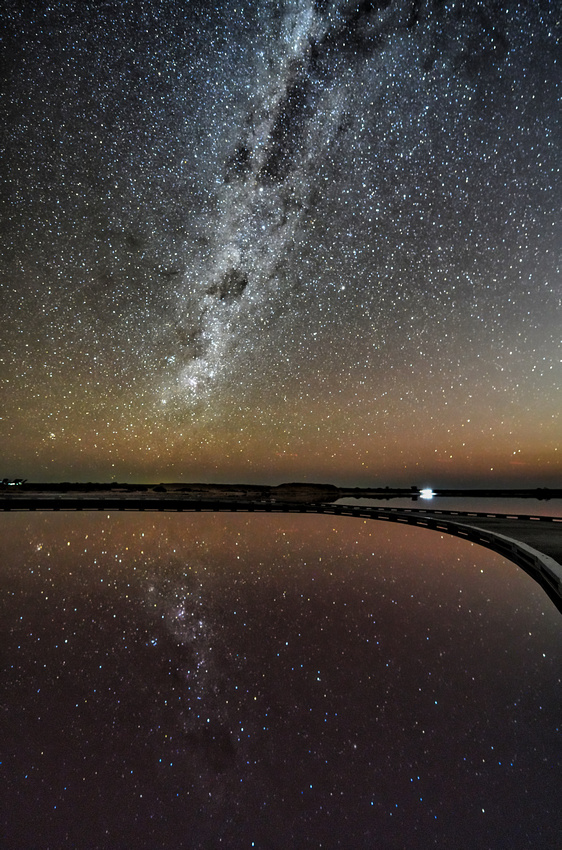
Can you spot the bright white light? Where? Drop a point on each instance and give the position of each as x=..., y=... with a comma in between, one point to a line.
x=427, y=493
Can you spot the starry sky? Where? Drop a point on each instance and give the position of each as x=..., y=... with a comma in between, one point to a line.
x=272, y=241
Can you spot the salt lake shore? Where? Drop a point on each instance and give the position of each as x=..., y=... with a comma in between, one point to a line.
x=290, y=492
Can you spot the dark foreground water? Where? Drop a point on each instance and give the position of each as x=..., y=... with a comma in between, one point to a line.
x=181, y=681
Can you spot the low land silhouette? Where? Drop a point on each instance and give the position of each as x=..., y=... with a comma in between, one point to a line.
x=289, y=492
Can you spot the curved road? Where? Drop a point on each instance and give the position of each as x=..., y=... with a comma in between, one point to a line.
x=532, y=542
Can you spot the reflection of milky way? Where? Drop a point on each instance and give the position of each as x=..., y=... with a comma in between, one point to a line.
x=298, y=681
x=200, y=666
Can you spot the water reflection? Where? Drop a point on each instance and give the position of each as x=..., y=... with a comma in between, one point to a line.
x=192, y=681
x=524, y=507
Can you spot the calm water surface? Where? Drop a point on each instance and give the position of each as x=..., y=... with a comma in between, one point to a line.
x=273, y=681
x=533, y=507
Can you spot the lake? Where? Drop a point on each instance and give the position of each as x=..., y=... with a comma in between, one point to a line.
x=273, y=681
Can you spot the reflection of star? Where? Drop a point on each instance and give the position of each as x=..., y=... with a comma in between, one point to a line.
x=179, y=611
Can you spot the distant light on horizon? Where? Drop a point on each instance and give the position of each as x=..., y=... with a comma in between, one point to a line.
x=427, y=493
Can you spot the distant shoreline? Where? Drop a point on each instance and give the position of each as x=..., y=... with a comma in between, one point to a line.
x=291, y=492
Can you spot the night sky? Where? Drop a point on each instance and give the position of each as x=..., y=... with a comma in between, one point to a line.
x=278, y=241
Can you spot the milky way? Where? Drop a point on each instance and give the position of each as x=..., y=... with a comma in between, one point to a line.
x=280, y=239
